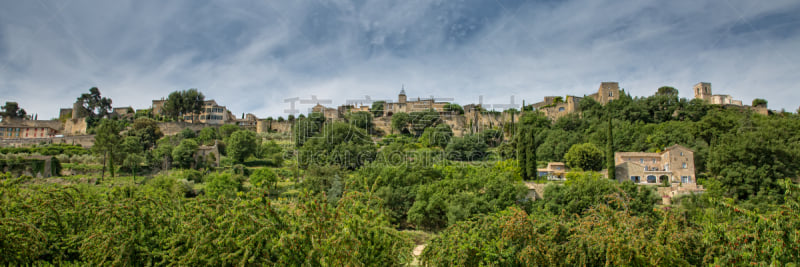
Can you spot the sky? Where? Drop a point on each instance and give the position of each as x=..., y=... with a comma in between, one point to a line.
x=256, y=56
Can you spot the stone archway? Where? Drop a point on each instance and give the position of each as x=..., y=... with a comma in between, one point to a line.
x=663, y=178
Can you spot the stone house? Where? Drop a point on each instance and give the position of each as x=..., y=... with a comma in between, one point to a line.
x=555, y=171
x=20, y=131
x=674, y=165
x=555, y=107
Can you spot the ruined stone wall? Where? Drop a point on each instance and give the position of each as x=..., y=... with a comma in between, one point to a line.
x=264, y=126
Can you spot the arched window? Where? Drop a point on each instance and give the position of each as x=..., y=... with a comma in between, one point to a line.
x=651, y=178
x=561, y=109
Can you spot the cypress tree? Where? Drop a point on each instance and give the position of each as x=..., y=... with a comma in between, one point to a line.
x=531, y=154
x=522, y=152
x=610, y=152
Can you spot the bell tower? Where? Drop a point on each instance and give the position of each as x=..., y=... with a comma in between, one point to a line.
x=702, y=90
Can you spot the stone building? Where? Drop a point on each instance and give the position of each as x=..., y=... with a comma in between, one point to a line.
x=328, y=113
x=19, y=131
x=212, y=113
x=404, y=105
x=674, y=165
x=702, y=91
x=555, y=171
x=555, y=107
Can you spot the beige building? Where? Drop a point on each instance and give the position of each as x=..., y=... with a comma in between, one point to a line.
x=13, y=131
x=702, y=90
x=674, y=165
x=555, y=171
x=555, y=107
x=404, y=105
x=212, y=113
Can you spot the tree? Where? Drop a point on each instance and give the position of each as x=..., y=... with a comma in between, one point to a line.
x=303, y=129
x=11, y=111
x=226, y=130
x=106, y=142
x=183, y=155
x=453, y=107
x=181, y=103
x=423, y=119
x=667, y=90
x=148, y=132
x=361, y=119
x=94, y=104
x=529, y=126
x=759, y=102
x=610, y=161
x=340, y=144
x=438, y=136
x=377, y=108
x=264, y=178
x=585, y=157
x=222, y=185
x=467, y=148
x=207, y=135
x=241, y=145
x=400, y=121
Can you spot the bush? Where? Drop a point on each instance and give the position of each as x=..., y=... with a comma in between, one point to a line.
x=264, y=178
x=468, y=148
x=222, y=185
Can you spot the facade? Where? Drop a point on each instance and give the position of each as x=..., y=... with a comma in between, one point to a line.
x=702, y=91
x=23, y=132
x=608, y=91
x=403, y=105
x=555, y=107
x=555, y=171
x=212, y=112
x=674, y=165
x=328, y=113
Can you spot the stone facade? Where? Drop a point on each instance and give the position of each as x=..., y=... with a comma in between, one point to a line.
x=18, y=131
x=674, y=165
x=403, y=105
x=702, y=91
x=556, y=171
x=555, y=107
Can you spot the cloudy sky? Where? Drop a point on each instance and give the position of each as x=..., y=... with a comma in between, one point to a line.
x=253, y=55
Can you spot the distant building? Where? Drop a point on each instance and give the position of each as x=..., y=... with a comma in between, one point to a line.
x=14, y=131
x=555, y=107
x=702, y=91
x=212, y=113
x=403, y=105
x=555, y=171
x=674, y=165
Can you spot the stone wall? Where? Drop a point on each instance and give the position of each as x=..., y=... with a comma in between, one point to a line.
x=75, y=127
x=173, y=128
x=81, y=140
x=264, y=126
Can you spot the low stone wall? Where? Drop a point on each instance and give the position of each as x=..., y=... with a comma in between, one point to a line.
x=81, y=140
x=173, y=128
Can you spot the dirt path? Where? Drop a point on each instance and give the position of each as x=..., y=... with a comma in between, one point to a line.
x=417, y=252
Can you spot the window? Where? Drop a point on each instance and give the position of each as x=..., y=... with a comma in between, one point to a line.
x=681, y=153
x=651, y=179
x=641, y=161
x=635, y=179
x=684, y=165
x=654, y=161
x=686, y=179
x=561, y=109
x=610, y=94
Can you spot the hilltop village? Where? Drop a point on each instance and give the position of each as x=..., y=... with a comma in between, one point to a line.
x=71, y=126
x=186, y=174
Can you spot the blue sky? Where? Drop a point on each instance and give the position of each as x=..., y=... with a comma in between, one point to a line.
x=252, y=55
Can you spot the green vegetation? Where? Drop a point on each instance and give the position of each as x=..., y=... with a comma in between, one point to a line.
x=186, y=102
x=335, y=193
x=11, y=111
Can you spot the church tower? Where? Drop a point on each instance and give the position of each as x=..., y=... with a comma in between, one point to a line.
x=402, y=97
x=702, y=91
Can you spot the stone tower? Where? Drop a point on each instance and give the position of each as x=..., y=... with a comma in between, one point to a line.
x=402, y=97
x=702, y=91
x=608, y=91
